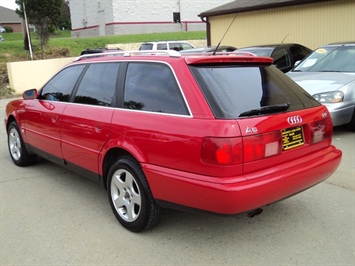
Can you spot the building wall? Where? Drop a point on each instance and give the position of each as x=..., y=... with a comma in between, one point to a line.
x=9, y=18
x=41, y=71
x=115, y=17
x=16, y=26
x=311, y=25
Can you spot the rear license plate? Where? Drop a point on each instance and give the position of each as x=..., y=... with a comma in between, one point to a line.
x=292, y=138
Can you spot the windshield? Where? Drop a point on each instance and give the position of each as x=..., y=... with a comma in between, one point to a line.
x=234, y=91
x=329, y=59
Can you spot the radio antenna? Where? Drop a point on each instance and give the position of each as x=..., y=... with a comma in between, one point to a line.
x=215, y=50
x=285, y=37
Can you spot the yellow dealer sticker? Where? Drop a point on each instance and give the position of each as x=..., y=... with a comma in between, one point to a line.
x=292, y=138
x=321, y=51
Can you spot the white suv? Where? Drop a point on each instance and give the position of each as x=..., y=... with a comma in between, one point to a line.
x=166, y=45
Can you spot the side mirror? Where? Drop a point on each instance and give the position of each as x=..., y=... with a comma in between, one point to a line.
x=30, y=94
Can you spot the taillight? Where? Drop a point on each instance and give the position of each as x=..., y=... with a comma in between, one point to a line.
x=260, y=146
x=223, y=151
x=228, y=151
x=320, y=130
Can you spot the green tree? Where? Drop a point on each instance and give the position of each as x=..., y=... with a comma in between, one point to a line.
x=44, y=14
x=65, y=20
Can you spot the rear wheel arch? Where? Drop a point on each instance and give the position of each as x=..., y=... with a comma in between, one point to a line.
x=130, y=196
x=110, y=158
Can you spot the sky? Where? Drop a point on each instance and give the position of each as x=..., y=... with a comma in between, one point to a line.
x=9, y=4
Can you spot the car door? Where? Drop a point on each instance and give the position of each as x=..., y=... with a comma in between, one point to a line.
x=43, y=116
x=87, y=121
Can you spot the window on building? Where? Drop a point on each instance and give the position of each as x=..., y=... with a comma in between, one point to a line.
x=176, y=17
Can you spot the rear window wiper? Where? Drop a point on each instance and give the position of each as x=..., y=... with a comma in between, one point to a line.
x=266, y=109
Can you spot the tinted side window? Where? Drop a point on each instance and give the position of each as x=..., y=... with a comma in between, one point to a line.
x=299, y=52
x=162, y=46
x=152, y=87
x=175, y=46
x=98, y=84
x=281, y=58
x=60, y=87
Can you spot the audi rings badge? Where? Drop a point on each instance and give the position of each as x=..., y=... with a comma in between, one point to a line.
x=294, y=120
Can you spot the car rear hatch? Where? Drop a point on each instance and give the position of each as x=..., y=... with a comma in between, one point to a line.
x=279, y=121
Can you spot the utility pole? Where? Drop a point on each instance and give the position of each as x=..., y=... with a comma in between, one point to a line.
x=27, y=31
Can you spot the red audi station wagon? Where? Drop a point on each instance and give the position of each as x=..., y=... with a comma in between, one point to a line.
x=223, y=133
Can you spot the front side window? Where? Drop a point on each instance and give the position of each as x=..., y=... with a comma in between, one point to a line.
x=232, y=90
x=60, y=87
x=186, y=46
x=153, y=87
x=98, y=84
x=175, y=46
x=299, y=52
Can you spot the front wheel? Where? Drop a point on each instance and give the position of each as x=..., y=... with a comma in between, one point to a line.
x=130, y=197
x=17, y=149
x=351, y=125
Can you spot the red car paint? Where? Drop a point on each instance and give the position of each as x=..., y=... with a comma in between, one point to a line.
x=196, y=160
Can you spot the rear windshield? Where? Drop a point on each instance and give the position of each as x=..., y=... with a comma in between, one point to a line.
x=259, y=51
x=232, y=90
x=146, y=46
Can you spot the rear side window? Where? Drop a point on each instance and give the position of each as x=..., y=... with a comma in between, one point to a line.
x=281, y=58
x=60, y=87
x=98, y=84
x=232, y=90
x=162, y=46
x=153, y=87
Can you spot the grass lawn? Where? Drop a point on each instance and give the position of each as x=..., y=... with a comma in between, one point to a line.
x=61, y=44
x=12, y=48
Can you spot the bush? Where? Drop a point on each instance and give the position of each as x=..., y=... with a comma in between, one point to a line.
x=8, y=29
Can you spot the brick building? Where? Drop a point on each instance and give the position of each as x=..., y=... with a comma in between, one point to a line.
x=9, y=18
x=117, y=17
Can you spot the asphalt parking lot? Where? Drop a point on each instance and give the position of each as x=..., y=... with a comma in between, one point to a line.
x=49, y=216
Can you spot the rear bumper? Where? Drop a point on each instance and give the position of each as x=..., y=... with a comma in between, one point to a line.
x=242, y=193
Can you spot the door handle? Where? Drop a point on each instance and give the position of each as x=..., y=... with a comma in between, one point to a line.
x=55, y=119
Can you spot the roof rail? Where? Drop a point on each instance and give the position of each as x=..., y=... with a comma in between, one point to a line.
x=210, y=53
x=171, y=53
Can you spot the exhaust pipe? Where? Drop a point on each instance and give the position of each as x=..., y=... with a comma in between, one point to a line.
x=255, y=212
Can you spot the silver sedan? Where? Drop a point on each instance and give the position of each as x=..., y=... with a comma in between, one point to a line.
x=328, y=74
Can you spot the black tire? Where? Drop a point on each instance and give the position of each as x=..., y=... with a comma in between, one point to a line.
x=130, y=197
x=351, y=125
x=17, y=148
